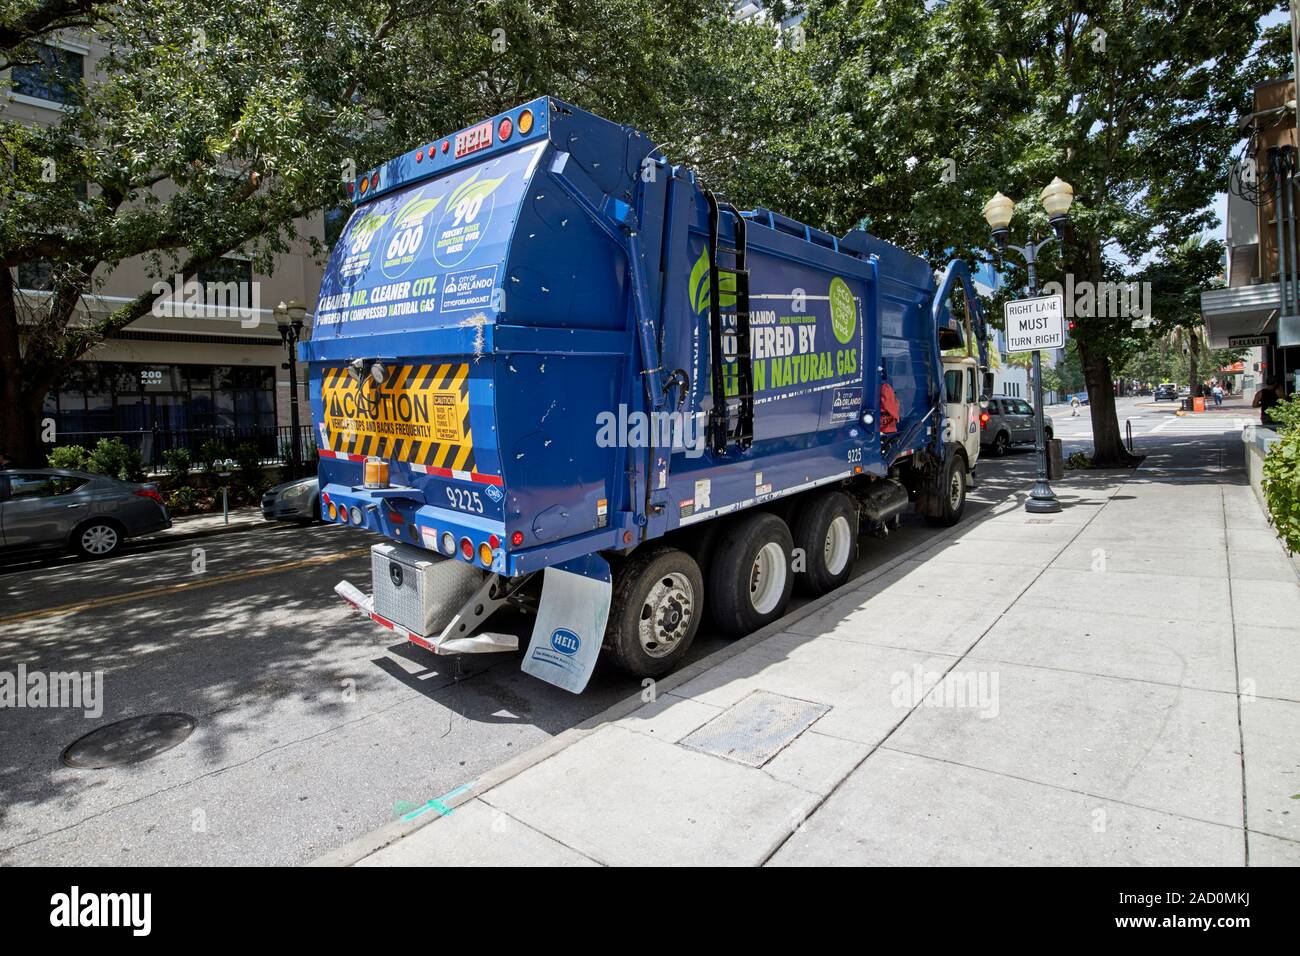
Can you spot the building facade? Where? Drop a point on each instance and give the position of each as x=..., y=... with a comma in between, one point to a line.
x=210, y=364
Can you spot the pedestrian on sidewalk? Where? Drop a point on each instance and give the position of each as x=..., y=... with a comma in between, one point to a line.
x=1074, y=406
x=1265, y=399
x=1218, y=394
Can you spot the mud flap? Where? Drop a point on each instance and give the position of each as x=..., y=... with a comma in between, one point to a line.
x=570, y=624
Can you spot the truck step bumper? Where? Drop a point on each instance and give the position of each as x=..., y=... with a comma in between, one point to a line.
x=453, y=639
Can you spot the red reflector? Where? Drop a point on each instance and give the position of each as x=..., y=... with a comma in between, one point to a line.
x=325, y=497
x=517, y=538
x=351, y=188
x=419, y=155
x=395, y=516
x=505, y=129
x=493, y=541
x=444, y=146
x=374, y=181
x=467, y=549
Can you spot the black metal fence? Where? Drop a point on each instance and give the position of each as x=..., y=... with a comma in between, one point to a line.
x=274, y=446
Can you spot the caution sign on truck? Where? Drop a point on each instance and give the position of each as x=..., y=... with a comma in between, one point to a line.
x=420, y=414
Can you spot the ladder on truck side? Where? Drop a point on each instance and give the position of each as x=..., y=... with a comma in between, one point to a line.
x=721, y=433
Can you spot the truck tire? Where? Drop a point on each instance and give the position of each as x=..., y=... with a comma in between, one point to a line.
x=951, y=492
x=826, y=529
x=750, y=580
x=654, y=611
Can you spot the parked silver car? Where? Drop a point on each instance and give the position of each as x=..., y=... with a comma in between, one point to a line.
x=293, y=501
x=90, y=515
x=1009, y=421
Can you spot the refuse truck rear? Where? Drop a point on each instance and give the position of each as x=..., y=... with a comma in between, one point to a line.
x=550, y=369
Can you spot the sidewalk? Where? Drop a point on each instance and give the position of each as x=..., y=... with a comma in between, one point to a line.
x=1115, y=684
x=185, y=527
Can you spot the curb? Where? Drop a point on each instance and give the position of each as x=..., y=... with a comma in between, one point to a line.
x=369, y=843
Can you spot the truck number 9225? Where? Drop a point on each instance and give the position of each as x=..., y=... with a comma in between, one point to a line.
x=463, y=500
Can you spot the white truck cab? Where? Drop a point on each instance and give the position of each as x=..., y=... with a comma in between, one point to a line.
x=962, y=405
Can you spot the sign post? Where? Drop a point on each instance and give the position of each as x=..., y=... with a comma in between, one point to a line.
x=1035, y=324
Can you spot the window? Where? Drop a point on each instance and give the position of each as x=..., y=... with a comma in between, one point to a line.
x=36, y=276
x=227, y=269
x=335, y=220
x=952, y=385
x=55, y=78
x=1022, y=408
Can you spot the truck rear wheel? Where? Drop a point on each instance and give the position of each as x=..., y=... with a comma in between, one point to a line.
x=750, y=580
x=951, y=493
x=654, y=612
x=826, y=530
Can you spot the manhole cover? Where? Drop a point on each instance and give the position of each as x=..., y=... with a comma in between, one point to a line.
x=128, y=741
x=754, y=730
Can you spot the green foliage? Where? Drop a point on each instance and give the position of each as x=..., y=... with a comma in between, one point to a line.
x=1078, y=460
x=210, y=452
x=73, y=457
x=184, y=500
x=249, y=465
x=178, y=463
x=1282, y=485
x=1287, y=414
x=113, y=457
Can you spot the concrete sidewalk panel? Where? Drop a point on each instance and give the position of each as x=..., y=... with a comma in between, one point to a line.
x=1163, y=596
x=863, y=684
x=669, y=718
x=900, y=620
x=1046, y=530
x=1269, y=659
x=1263, y=566
x=898, y=809
x=1157, y=746
x=947, y=582
x=1188, y=653
x=1265, y=603
x=476, y=834
x=993, y=554
x=1130, y=558
x=1271, y=731
x=1254, y=539
x=816, y=762
x=1167, y=538
x=1268, y=850
x=624, y=799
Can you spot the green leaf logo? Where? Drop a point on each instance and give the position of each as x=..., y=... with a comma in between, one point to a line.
x=699, y=289
x=415, y=210
x=844, y=313
x=474, y=188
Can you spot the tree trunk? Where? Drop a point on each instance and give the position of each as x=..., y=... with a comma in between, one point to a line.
x=21, y=400
x=1108, y=449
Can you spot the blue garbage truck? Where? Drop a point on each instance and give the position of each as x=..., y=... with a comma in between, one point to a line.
x=551, y=369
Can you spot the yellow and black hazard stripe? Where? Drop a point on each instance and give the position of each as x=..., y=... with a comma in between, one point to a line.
x=419, y=414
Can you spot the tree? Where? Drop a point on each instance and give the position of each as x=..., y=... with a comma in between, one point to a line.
x=920, y=112
x=217, y=126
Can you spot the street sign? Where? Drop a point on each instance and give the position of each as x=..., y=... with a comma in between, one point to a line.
x=1034, y=324
x=1247, y=341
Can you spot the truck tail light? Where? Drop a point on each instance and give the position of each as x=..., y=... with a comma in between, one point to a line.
x=525, y=122
x=333, y=511
x=517, y=538
x=448, y=543
x=485, y=554
x=504, y=129
x=467, y=549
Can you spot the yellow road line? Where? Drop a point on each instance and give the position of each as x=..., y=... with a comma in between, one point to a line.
x=182, y=586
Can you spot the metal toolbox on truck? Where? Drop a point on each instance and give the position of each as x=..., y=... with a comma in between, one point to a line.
x=418, y=590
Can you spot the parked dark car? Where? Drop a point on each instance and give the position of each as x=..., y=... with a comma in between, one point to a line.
x=1166, y=391
x=89, y=515
x=293, y=501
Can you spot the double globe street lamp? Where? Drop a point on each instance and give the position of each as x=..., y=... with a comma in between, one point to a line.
x=289, y=322
x=1056, y=199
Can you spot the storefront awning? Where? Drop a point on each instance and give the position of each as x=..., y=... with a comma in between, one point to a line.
x=1240, y=312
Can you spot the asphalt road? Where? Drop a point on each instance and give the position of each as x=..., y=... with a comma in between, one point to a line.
x=313, y=726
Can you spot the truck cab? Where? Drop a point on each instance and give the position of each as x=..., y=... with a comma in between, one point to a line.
x=962, y=406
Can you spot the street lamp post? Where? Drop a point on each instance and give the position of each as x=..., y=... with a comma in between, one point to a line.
x=1056, y=199
x=289, y=320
